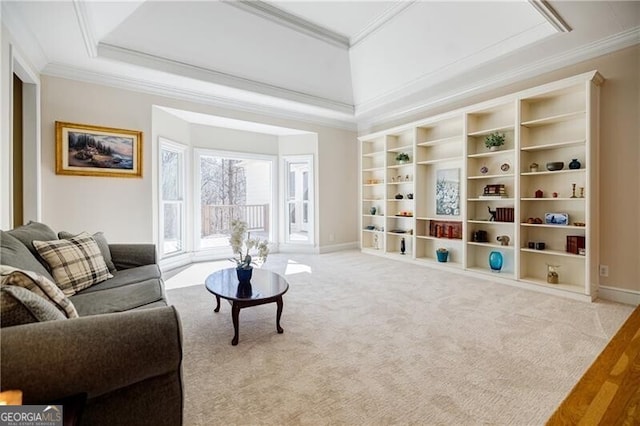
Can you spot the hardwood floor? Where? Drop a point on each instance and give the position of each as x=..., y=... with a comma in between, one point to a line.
x=609, y=392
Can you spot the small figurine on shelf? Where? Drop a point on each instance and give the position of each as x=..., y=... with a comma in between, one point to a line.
x=492, y=213
x=539, y=194
x=376, y=242
x=403, y=246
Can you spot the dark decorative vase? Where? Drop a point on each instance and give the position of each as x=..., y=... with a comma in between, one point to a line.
x=574, y=164
x=244, y=290
x=495, y=261
x=403, y=246
x=244, y=275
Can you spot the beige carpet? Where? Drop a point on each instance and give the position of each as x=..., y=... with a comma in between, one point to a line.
x=373, y=341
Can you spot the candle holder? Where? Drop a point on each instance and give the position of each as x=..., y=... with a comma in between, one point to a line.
x=573, y=190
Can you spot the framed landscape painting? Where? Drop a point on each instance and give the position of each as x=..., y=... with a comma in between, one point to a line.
x=86, y=150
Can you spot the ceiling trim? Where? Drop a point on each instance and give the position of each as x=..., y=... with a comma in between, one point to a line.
x=79, y=6
x=155, y=88
x=28, y=44
x=550, y=15
x=600, y=47
x=159, y=63
x=381, y=20
x=290, y=20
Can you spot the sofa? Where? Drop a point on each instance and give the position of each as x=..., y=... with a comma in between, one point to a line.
x=119, y=359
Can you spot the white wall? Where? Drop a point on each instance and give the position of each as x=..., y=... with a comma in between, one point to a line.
x=124, y=208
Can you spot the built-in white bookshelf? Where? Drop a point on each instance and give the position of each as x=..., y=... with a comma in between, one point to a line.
x=556, y=122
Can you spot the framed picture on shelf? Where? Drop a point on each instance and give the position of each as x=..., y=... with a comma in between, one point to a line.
x=87, y=150
x=448, y=192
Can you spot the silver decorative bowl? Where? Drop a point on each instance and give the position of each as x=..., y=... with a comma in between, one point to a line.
x=555, y=165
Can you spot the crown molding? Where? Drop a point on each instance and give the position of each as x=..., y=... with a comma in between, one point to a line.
x=79, y=6
x=166, y=90
x=380, y=21
x=23, y=39
x=289, y=20
x=549, y=13
x=216, y=77
x=600, y=47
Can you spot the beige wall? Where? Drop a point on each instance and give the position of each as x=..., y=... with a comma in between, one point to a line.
x=124, y=208
x=619, y=156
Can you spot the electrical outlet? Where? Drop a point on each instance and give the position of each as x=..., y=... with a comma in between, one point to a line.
x=604, y=270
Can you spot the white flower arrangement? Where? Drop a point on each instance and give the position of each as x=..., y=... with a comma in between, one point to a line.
x=242, y=247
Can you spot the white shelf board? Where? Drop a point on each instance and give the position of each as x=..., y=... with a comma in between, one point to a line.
x=553, y=199
x=504, y=175
x=399, y=183
x=489, y=222
x=372, y=231
x=492, y=199
x=553, y=253
x=548, y=172
x=544, y=225
x=485, y=132
x=399, y=166
x=439, y=160
x=401, y=148
x=373, y=169
x=491, y=245
x=555, y=145
x=440, y=141
x=553, y=119
x=373, y=184
x=574, y=288
x=373, y=154
x=441, y=219
x=491, y=153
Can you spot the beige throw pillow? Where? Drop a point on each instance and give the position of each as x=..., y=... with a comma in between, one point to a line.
x=75, y=263
x=39, y=285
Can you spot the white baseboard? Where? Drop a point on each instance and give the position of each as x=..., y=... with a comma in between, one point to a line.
x=297, y=248
x=339, y=247
x=620, y=295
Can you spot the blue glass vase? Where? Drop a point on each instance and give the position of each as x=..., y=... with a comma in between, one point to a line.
x=495, y=261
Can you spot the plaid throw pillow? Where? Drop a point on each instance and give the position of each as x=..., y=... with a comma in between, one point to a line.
x=39, y=285
x=75, y=263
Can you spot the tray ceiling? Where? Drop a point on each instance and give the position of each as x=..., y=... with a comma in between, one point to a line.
x=341, y=62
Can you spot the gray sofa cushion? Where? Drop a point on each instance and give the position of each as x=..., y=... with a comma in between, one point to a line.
x=126, y=277
x=14, y=253
x=33, y=231
x=118, y=299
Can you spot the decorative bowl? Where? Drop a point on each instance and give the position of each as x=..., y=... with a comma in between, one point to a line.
x=555, y=165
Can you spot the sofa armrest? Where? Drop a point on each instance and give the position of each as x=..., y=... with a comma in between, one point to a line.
x=126, y=256
x=94, y=355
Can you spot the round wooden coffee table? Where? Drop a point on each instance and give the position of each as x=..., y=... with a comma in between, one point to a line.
x=265, y=287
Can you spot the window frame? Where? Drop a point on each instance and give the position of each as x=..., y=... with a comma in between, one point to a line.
x=197, y=215
x=165, y=144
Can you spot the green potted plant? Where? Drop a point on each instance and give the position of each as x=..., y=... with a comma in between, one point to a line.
x=494, y=140
x=402, y=158
x=442, y=254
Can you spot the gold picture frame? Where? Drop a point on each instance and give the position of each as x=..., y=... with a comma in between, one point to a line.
x=85, y=150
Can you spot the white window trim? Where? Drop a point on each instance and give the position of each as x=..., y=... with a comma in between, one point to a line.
x=286, y=159
x=169, y=145
x=207, y=253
